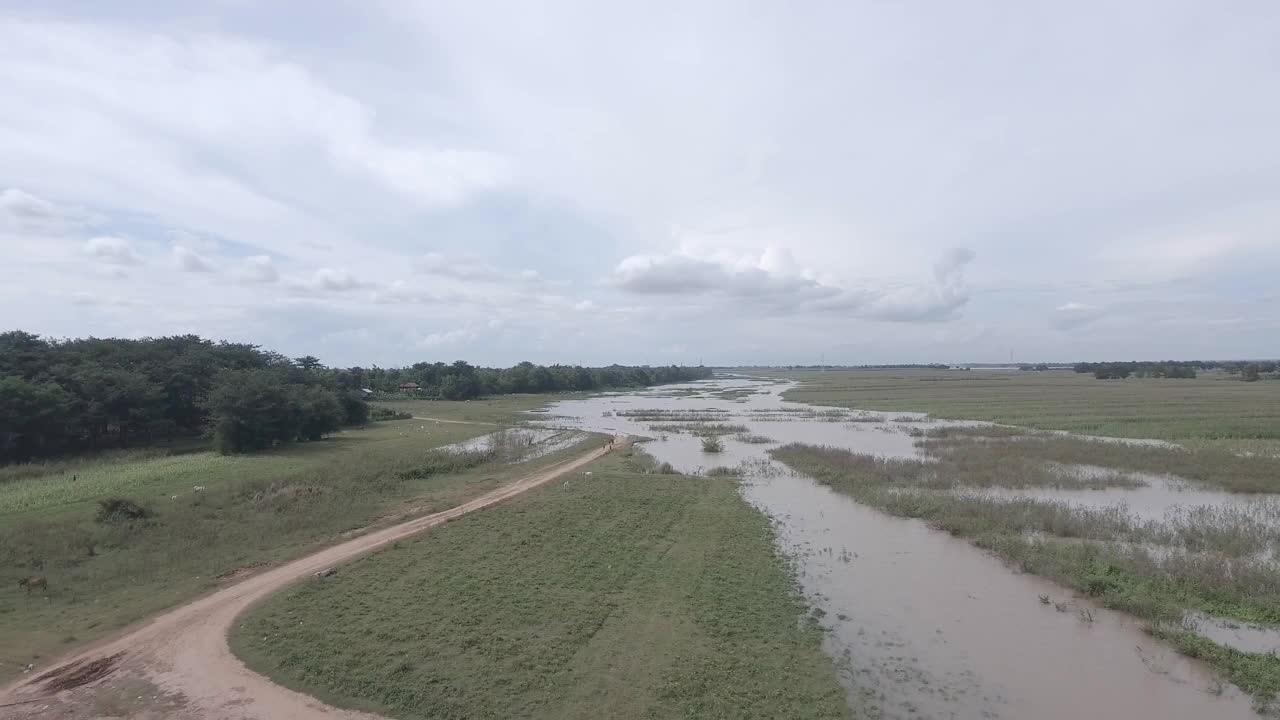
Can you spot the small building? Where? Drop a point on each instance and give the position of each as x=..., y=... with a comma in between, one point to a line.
x=366, y=392
x=411, y=385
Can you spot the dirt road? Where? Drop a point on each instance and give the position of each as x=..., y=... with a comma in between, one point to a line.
x=178, y=665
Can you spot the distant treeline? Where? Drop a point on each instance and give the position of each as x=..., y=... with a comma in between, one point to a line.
x=60, y=397
x=900, y=366
x=463, y=381
x=1248, y=371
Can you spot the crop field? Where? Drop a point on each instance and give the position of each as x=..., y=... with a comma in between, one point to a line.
x=1215, y=406
x=105, y=572
x=619, y=594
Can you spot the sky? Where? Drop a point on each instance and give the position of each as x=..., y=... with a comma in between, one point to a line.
x=382, y=183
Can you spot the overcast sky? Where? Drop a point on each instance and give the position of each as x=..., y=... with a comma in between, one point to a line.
x=732, y=182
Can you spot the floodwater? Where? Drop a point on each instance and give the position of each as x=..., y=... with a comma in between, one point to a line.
x=922, y=625
x=520, y=444
x=1162, y=498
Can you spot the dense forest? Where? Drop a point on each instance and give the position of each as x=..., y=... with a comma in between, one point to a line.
x=67, y=396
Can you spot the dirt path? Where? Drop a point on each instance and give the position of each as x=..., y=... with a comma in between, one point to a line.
x=178, y=665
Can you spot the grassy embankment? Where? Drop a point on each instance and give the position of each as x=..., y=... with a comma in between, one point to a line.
x=620, y=594
x=254, y=509
x=1215, y=406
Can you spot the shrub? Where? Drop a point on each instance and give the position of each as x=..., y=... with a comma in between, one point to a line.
x=712, y=444
x=114, y=510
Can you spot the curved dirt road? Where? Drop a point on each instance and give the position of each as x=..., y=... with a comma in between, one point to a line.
x=178, y=664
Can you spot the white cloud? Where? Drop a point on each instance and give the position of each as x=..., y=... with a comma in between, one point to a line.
x=259, y=269
x=448, y=338
x=23, y=212
x=112, y=251
x=328, y=280
x=188, y=260
x=1072, y=315
x=774, y=281
x=438, y=264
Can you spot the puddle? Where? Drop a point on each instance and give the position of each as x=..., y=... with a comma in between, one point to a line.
x=921, y=624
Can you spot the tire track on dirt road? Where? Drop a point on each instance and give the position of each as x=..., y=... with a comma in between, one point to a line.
x=182, y=656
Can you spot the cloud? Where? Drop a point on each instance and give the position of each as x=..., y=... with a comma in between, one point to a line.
x=26, y=213
x=440, y=265
x=188, y=260
x=448, y=338
x=259, y=269
x=329, y=280
x=772, y=280
x=1072, y=315
x=112, y=251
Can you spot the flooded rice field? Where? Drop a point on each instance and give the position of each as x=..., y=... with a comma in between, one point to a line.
x=922, y=624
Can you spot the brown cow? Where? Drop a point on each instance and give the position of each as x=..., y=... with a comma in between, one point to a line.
x=33, y=582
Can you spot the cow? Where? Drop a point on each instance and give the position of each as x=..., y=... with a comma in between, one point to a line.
x=33, y=582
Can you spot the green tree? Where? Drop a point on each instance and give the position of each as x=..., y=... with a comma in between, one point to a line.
x=33, y=418
x=250, y=410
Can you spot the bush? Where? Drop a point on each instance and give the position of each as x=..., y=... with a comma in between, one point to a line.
x=114, y=510
x=712, y=444
x=382, y=413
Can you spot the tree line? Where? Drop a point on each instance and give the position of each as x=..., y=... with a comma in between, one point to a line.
x=463, y=381
x=1248, y=370
x=60, y=397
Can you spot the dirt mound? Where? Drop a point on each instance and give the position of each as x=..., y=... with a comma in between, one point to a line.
x=80, y=672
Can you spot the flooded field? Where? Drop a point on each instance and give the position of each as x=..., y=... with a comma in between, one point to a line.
x=519, y=444
x=921, y=623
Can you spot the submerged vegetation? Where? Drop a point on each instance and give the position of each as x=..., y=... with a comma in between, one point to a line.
x=1219, y=561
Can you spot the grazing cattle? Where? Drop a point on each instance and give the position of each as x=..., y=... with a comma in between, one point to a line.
x=197, y=488
x=33, y=582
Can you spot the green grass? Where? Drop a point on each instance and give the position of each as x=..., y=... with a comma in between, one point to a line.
x=1212, y=407
x=622, y=594
x=260, y=508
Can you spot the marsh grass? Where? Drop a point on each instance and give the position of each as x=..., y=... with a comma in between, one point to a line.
x=753, y=439
x=712, y=444
x=1206, y=465
x=703, y=428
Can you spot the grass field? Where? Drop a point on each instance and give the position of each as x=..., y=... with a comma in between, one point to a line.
x=254, y=509
x=1215, y=406
x=621, y=594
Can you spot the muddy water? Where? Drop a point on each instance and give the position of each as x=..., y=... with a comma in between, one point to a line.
x=921, y=624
